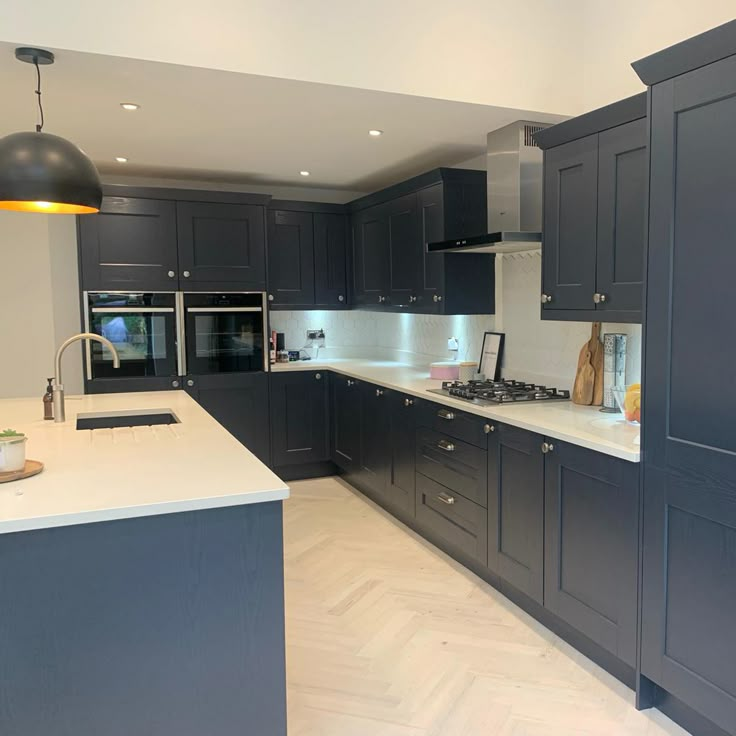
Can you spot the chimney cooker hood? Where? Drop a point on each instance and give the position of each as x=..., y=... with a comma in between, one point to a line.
x=514, y=183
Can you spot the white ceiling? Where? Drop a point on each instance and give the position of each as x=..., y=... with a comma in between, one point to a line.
x=209, y=125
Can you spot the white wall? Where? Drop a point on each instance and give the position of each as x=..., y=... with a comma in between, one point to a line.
x=39, y=305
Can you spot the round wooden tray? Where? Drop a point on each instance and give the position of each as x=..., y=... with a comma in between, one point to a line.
x=33, y=467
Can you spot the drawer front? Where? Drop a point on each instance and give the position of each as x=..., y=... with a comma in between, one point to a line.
x=459, y=466
x=449, y=519
x=466, y=427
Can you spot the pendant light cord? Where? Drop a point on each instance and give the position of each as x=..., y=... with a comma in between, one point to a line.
x=39, y=127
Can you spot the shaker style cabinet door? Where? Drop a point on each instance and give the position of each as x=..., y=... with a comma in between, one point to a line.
x=299, y=426
x=405, y=250
x=375, y=435
x=345, y=424
x=290, y=257
x=689, y=551
x=516, y=508
x=371, y=256
x=221, y=246
x=570, y=204
x=623, y=170
x=129, y=245
x=330, y=259
x=591, y=541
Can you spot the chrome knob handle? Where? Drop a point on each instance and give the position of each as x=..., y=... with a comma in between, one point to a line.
x=350, y=383
x=436, y=298
x=546, y=298
x=318, y=376
x=599, y=298
x=175, y=384
x=270, y=297
x=488, y=428
x=412, y=299
x=341, y=298
x=379, y=392
x=408, y=402
x=187, y=274
x=547, y=447
x=190, y=382
x=171, y=274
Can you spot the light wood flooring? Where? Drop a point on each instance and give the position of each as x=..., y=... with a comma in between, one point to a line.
x=386, y=636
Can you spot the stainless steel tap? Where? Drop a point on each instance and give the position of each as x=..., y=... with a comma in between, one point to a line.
x=58, y=386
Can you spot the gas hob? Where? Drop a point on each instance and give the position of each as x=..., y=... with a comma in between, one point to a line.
x=499, y=392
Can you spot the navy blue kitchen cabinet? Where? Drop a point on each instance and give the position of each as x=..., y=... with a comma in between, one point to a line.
x=375, y=436
x=516, y=508
x=591, y=541
x=401, y=486
x=307, y=255
x=157, y=239
x=688, y=644
x=391, y=267
x=345, y=429
x=239, y=402
x=595, y=185
x=222, y=246
x=290, y=257
x=299, y=418
x=131, y=244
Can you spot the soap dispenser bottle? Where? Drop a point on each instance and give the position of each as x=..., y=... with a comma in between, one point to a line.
x=48, y=400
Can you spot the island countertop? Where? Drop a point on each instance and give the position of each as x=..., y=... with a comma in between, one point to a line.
x=584, y=426
x=105, y=474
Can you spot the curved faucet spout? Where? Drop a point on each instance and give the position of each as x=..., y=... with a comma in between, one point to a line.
x=58, y=386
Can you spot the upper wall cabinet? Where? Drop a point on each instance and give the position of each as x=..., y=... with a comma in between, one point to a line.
x=391, y=267
x=307, y=255
x=595, y=191
x=169, y=239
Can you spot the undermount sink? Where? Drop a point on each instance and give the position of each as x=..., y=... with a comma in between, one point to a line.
x=128, y=418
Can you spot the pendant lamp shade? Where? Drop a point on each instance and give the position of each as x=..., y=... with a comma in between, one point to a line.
x=40, y=172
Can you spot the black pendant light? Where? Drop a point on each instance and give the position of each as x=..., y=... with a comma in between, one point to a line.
x=40, y=172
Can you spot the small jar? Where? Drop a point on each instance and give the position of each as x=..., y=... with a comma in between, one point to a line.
x=12, y=453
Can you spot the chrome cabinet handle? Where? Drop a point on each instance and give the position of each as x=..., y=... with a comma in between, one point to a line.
x=270, y=297
x=488, y=428
x=408, y=402
x=446, y=446
x=190, y=382
x=171, y=274
x=546, y=298
x=318, y=376
x=187, y=274
x=350, y=383
x=341, y=298
x=436, y=298
x=446, y=498
x=412, y=299
x=445, y=414
x=379, y=392
x=175, y=384
x=599, y=298
x=547, y=447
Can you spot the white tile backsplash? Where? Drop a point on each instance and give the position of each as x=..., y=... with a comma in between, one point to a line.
x=536, y=350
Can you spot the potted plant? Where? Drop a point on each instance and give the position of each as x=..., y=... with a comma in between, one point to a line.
x=12, y=451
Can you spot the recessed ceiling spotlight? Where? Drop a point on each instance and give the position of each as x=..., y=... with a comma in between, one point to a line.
x=121, y=159
x=304, y=173
x=375, y=132
x=129, y=106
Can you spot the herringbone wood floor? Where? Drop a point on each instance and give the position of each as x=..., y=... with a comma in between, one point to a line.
x=386, y=636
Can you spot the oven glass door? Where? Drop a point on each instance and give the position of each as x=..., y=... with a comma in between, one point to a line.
x=143, y=329
x=225, y=335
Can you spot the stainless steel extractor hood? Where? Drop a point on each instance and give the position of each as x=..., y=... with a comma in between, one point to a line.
x=514, y=180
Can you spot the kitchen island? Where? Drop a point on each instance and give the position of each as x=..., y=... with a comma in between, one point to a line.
x=141, y=577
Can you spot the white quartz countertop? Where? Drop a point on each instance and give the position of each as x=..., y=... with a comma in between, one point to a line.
x=104, y=474
x=580, y=425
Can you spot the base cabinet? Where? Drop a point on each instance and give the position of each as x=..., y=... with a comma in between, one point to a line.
x=299, y=419
x=591, y=538
x=516, y=509
x=238, y=401
x=402, y=470
x=375, y=428
x=345, y=424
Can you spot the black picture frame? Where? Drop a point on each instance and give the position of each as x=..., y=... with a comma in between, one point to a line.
x=497, y=342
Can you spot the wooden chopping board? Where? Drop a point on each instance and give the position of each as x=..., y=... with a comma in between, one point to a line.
x=32, y=467
x=588, y=388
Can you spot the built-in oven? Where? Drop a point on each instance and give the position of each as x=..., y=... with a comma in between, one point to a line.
x=223, y=333
x=144, y=328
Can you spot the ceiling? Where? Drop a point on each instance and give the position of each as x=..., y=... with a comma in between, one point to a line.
x=208, y=125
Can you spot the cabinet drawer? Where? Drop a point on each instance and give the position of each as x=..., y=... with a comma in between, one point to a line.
x=459, y=466
x=449, y=518
x=466, y=427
